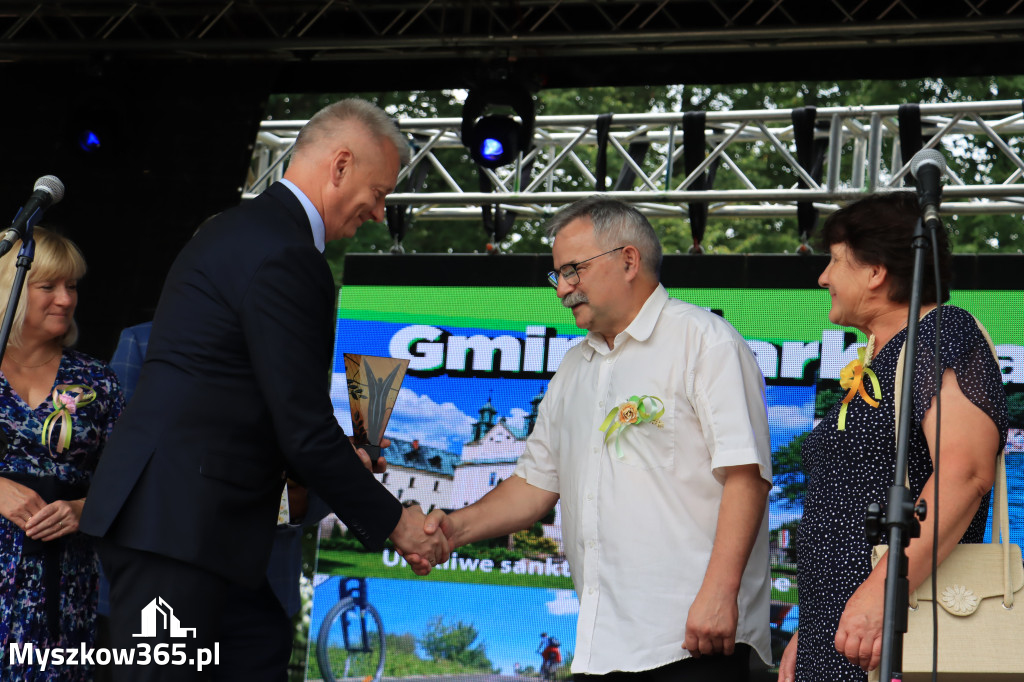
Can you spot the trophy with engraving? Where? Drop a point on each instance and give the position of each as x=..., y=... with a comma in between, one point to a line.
x=373, y=384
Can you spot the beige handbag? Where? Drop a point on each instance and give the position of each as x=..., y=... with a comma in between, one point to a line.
x=980, y=591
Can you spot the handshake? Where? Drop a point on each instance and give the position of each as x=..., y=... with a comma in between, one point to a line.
x=418, y=541
x=416, y=535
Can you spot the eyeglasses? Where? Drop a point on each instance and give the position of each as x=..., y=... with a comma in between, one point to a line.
x=569, y=272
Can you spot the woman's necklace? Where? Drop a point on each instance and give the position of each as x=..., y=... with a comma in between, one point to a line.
x=24, y=366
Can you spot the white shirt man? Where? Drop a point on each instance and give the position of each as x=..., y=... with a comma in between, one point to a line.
x=639, y=511
x=664, y=521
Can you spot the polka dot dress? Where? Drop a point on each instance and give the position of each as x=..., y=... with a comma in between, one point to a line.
x=846, y=470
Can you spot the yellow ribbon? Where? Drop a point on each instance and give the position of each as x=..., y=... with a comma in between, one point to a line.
x=67, y=398
x=636, y=410
x=851, y=378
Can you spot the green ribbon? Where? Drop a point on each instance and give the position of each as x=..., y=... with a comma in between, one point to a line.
x=634, y=411
x=67, y=398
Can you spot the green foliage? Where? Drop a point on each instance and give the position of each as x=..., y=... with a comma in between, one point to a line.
x=401, y=660
x=400, y=644
x=496, y=550
x=788, y=469
x=300, y=622
x=531, y=542
x=564, y=672
x=340, y=542
x=534, y=545
x=976, y=162
x=407, y=664
x=454, y=644
x=1015, y=404
x=827, y=395
x=366, y=564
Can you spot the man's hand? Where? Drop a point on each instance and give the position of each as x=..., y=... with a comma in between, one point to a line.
x=438, y=519
x=711, y=622
x=859, y=636
x=298, y=501
x=512, y=505
x=378, y=466
x=19, y=503
x=422, y=551
x=435, y=519
x=787, y=666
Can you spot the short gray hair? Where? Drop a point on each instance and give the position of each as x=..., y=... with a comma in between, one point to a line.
x=615, y=224
x=373, y=118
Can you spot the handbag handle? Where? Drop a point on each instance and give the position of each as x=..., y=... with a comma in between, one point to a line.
x=1000, y=509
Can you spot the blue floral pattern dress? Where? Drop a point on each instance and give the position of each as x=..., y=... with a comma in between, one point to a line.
x=25, y=615
x=848, y=469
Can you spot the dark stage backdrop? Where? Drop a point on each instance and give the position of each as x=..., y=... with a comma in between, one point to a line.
x=483, y=336
x=175, y=143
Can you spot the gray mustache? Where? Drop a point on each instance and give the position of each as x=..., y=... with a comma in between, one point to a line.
x=574, y=298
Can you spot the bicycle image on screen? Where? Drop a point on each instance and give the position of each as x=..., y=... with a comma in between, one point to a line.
x=350, y=645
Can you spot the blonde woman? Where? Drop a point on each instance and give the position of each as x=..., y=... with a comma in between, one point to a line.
x=56, y=408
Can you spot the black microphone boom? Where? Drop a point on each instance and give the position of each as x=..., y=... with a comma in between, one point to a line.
x=48, y=191
x=928, y=166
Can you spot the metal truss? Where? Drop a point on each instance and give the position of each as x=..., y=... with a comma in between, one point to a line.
x=858, y=150
x=375, y=30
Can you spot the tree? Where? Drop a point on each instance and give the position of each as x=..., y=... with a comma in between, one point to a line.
x=1015, y=403
x=826, y=396
x=404, y=643
x=788, y=469
x=454, y=643
x=969, y=234
x=531, y=542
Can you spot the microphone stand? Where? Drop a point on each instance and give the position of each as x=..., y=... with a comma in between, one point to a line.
x=902, y=517
x=25, y=257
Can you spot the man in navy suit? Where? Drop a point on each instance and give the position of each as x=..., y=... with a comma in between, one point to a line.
x=256, y=640
x=233, y=400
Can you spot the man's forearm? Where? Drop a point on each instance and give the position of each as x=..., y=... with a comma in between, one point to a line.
x=512, y=506
x=739, y=521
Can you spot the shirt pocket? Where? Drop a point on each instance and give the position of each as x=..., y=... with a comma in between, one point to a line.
x=646, y=445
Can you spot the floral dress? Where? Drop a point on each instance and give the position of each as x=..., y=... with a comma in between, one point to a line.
x=848, y=469
x=59, y=610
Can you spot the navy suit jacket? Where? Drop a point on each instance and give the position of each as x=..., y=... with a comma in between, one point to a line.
x=233, y=397
x=285, y=565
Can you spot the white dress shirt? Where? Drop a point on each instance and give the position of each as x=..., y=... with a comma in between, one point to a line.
x=316, y=222
x=638, y=529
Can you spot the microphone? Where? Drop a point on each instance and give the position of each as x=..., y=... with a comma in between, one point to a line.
x=928, y=167
x=48, y=191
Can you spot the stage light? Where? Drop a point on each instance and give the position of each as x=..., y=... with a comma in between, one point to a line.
x=497, y=139
x=94, y=127
x=89, y=141
x=491, y=149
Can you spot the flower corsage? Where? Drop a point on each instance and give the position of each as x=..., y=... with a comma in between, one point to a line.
x=851, y=378
x=67, y=398
x=633, y=412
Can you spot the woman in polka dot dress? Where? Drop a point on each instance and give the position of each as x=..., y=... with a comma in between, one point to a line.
x=849, y=458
